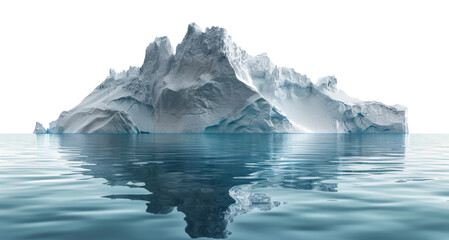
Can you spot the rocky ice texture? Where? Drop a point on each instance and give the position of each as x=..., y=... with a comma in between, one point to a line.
x=39, y=129
x=211, y=85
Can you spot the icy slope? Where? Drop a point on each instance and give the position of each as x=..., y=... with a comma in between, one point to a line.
x=322, y=107
x=211, y=85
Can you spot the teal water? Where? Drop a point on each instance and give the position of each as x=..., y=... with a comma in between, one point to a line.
x=236, y=186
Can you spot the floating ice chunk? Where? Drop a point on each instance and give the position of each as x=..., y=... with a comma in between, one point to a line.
x=39, y=129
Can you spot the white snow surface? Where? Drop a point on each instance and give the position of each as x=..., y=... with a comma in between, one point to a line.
x=212, y=85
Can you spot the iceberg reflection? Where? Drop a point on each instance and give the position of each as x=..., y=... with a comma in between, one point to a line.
x=207, y=176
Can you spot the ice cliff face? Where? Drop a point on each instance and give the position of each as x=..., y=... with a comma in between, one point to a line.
x=211, y=85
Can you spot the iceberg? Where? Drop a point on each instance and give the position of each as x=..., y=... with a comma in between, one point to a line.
x=210, y=85
x=39, y=129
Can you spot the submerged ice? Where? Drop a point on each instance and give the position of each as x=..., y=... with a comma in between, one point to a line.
x=211, y=85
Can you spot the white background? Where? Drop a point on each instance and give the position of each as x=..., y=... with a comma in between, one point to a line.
x=54, y=53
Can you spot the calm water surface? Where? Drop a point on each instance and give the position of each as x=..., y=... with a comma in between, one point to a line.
x=236, y=186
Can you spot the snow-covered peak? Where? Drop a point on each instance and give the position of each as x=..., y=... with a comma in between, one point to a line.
x=160, y=48
x=328, y=86
x=132, y=72
x=193, y=28
x=193, y=32
x=261, y=65
x=196, y=40
x=216, y=37
x=164, y=44
x=328, y=83
x=215, y=51
x=156, y=55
